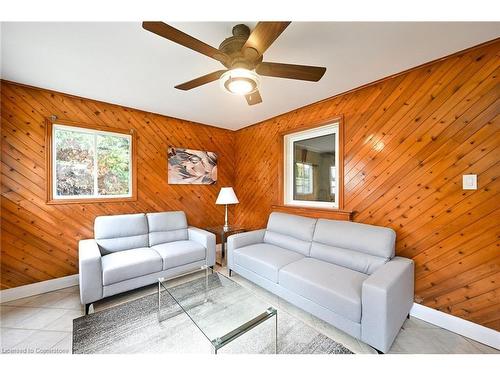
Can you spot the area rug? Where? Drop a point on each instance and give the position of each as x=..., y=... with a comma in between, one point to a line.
x=133, y=327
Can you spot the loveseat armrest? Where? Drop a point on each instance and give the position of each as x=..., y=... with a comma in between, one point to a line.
x=90, y=271
x=206, y=239
x=387, y=297
x=243, y=239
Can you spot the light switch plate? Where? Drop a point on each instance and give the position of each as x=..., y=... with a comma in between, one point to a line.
x=469, y=181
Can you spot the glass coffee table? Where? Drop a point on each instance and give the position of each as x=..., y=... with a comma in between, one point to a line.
x=222, y=309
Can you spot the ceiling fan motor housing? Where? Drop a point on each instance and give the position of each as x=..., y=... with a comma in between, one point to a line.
x=233, y=45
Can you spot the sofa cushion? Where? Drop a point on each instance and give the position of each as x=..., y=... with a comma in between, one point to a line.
x=368, y=239
x=167, y=227
x=178, y=253
x=290, y=232
x=265, y=259
x=120, y=232
x=129, y=264
x=351, y=259
x=333, y=287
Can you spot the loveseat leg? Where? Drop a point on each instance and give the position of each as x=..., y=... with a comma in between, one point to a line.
x=87, y=307
x=230, y=273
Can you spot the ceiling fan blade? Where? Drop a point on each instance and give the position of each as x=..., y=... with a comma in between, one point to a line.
x=291, y=71
x=264, y=34
x=179, y=37
x=214, y=76
x=253, y=98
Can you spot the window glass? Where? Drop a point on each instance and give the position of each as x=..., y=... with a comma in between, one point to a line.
x=91, y=163
x=113, y=165
x=74, y=158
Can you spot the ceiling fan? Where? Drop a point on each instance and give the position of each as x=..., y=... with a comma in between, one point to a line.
x=241, y=54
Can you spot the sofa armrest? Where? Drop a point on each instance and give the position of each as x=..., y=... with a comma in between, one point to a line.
x=90, y=271
x=206, y=239
x=387, y=297
x=238, y=240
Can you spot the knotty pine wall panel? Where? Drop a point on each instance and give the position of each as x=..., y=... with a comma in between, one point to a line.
x=39, y=241
x=408, y=141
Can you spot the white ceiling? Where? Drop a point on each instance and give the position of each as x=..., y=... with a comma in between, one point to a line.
x=121, y=63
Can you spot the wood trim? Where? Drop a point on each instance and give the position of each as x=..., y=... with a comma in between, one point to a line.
x=49, y=122
x=281, y=160
x=314, y=212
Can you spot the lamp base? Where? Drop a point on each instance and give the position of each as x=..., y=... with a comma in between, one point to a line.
x=226, y=225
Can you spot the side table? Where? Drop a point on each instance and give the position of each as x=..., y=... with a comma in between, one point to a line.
x=219, y=230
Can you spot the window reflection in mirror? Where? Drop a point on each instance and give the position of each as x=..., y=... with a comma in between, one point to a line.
x=314, y=169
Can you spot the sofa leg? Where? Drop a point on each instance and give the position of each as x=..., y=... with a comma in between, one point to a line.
x=87, y=307
x=378, y=351
x=408, y=317
x=230, y=273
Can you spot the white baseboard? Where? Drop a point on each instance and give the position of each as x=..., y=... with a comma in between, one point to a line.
x=38, y=288
x=452, y=323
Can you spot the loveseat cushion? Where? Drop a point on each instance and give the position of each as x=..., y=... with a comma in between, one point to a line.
x=290, y=232
x=265, y=259
x=178, y=253
x=167, y=227
x=129, y=264
x=120, y=232
x=333, y=287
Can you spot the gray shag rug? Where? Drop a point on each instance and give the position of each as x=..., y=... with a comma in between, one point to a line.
x=133, y=327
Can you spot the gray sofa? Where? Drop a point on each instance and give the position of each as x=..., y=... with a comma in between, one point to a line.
x=130, y=251
x=342, y=272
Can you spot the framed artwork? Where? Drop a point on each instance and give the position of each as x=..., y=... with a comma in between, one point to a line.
x=191, y=167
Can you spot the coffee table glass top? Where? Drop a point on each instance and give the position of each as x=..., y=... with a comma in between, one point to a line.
x=222, y=309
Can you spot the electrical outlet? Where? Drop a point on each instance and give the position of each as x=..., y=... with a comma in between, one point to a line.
x=469, y=181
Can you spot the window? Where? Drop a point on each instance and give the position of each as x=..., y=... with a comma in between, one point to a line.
x=90, y=164
x=311, y=167
x=303, y=178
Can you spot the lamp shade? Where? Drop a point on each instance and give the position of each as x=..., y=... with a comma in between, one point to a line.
x=226, y=196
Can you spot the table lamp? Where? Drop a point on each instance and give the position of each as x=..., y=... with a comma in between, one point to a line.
x=226, y=196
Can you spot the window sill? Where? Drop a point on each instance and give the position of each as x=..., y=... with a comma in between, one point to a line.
x=90, y=200
x=323, y=213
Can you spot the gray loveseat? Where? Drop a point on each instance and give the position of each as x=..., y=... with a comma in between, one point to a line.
x=342, y=272
x=130, y=251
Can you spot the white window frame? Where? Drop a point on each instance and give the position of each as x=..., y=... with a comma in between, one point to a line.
x=288, y=164
x=96, y=194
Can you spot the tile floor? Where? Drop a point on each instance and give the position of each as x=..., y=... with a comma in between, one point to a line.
x=44, y=323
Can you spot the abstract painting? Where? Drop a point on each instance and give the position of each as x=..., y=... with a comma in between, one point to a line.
x=191, y=166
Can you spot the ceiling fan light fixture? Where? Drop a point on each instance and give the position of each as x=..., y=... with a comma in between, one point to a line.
x=240, y=81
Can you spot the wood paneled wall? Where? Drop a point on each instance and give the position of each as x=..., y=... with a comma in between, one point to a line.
x=39, y=241
x=408, y=141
